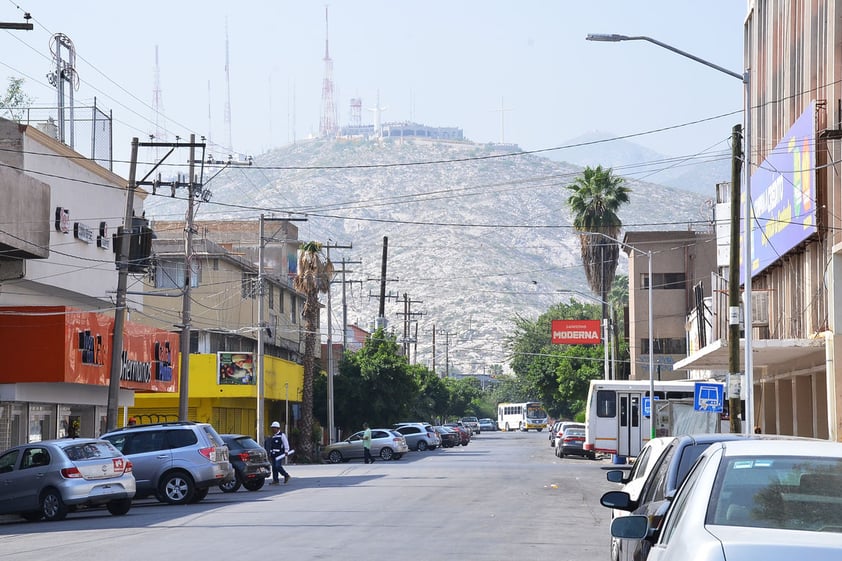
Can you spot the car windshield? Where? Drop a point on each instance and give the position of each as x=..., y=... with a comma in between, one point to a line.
x=793, y=493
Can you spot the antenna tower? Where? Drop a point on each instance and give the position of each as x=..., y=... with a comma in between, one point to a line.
x=158, y=105
x=228, y=98
x=327, y=125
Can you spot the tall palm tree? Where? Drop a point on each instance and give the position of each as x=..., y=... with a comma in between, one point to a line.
x=597, y=196
x=313, y=278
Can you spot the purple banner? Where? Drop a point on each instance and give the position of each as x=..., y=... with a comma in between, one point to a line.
x=783, y=197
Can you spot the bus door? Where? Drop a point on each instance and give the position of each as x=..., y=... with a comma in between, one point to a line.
x=629, y=421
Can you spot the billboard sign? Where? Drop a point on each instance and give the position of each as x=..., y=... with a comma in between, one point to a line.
x=235, y=368
x=576, y=332
x=783, y=196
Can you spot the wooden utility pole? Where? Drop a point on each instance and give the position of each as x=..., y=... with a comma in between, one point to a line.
x=734, y=284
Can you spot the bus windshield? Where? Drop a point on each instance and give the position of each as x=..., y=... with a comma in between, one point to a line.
x=535, y=412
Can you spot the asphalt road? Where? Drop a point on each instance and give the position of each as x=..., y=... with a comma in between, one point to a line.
x=505, y=496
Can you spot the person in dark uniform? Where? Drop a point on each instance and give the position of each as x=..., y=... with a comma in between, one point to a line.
x=277, y=446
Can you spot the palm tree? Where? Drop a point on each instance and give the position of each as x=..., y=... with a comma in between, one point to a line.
x=313, y=278
x=597, y=196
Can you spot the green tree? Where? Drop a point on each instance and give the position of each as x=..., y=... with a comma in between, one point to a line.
x=552, y=373
x=15, y=101
x=313, y=278
x=596, y=197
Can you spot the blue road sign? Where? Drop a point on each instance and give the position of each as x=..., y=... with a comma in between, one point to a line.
x=646, y=404
x=708, y=396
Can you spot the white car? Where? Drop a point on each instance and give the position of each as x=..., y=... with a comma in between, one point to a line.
x=744, y=500
x=633, y=480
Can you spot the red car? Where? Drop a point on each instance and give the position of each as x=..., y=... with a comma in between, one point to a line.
x=464, y=432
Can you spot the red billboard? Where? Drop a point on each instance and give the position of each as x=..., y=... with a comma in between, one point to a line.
x=576, y=332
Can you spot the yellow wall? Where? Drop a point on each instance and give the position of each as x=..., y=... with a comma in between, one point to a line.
x=230, y=408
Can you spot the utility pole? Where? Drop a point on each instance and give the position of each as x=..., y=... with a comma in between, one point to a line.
x=381, y=315
x=734, y=285
x=407, y=320
x=120, y=311
x=184, y=381
x=345, y=282
x=330, y=402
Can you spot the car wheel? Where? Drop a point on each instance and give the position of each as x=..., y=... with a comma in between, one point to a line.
x=422, y=445
x=335, y=456
x=175, y=488
x=386, y=454
x=507, y=427
x=592, y=456
x=199, y=494
x=119, y=507
x=254, y=484
x=52, y=506
x=31, y=516
x=230, y=486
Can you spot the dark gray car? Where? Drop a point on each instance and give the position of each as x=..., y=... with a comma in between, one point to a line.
x=176, y=462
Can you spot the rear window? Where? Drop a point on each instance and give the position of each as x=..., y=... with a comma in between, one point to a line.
x=246, y=442
x=409, y=430
x=91, y=451
x=212, y=435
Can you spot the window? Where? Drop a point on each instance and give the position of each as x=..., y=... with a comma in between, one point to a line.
x=170, y=274
x=606, y=403
x=271, y=290
x=664, y=281
x=292, y=312
x=665, y=346
x=281, y=298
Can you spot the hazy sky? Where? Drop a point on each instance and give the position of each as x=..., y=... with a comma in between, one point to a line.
x=441, y=63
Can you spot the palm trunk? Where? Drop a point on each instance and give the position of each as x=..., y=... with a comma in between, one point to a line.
x=311, y=326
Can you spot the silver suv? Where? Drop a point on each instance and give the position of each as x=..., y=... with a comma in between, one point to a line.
x=472, y=423
x=419, y=436
x=176, y=462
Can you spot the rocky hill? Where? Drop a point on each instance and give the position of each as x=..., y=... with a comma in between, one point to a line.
x=475, y=235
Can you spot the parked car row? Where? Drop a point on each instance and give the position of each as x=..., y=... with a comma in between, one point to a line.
x=567, y=438
x=729, y=497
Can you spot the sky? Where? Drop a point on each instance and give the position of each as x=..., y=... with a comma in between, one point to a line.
x=513, y=71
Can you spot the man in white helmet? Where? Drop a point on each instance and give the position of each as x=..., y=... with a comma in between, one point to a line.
x=277, y=446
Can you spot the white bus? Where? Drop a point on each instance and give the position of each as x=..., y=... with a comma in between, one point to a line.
x=614, y=420
x=521, y=416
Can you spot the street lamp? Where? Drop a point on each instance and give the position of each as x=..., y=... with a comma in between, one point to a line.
x=605, y=330
x=745, y=78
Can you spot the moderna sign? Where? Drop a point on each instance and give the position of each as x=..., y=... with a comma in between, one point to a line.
x=576, y=332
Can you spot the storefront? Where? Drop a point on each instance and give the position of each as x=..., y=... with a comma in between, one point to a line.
x=55, y=383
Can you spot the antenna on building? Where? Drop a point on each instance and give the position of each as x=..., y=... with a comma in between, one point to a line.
x=228, y=99
x=327, y=125
x=65, y=71
x=158, y=106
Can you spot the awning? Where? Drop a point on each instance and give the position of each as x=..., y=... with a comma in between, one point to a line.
x=764, y=352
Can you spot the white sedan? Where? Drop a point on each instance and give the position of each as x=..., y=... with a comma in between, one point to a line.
x=744, y=500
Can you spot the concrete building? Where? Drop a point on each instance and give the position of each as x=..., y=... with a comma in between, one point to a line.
x=794, y=66
x=57, y=278
x=681, y=264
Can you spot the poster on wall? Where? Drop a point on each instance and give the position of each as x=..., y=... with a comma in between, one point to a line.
x=235, y=368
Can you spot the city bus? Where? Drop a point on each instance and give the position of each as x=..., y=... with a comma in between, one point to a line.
x=614, y=419
x=521, y=416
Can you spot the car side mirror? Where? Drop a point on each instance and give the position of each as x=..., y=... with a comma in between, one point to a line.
x=630, y=527
x=617, y=499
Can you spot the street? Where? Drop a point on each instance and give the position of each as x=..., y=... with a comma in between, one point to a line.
x=504, y=496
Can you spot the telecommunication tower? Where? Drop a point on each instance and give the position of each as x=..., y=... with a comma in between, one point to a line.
x=158, y=106
x=327, y=124
x=228, y=98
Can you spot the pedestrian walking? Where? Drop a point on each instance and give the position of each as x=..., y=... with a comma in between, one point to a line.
x=369, y=459
x=277, y=446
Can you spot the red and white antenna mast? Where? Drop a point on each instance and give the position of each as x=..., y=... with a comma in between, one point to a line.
x=327, y=124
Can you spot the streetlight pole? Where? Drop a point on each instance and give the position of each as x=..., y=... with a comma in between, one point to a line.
x=745, y=78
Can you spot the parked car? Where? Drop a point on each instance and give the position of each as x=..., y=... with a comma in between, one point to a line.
x=464, y=432
x=552, y=432
x=388, y=444
x=176, y=462
x=775, y=499
x=558, y=433
x=660, y=487
x=250, y=462
x=634, y=478
x=449, y=437
x=419, y=436
x=487, y=424
x=572, y=443
x=472, y=423
x=50, y=478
